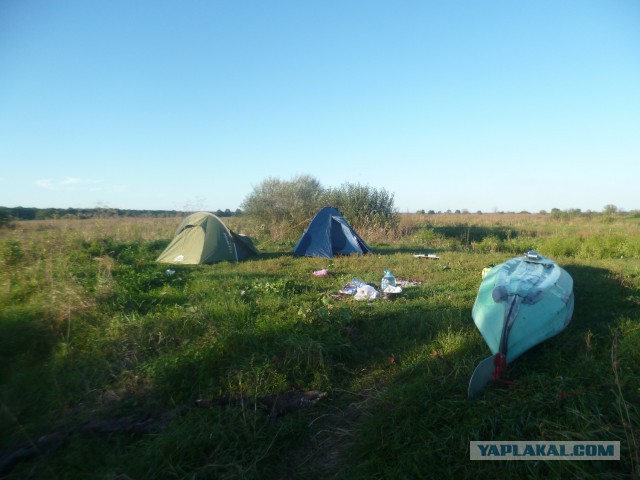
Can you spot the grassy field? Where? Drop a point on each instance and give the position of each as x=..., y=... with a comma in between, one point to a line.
x=114, y=369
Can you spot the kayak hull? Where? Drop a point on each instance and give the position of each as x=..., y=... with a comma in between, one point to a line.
x=533, y=294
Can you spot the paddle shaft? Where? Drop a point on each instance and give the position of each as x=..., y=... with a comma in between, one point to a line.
x=509, y=319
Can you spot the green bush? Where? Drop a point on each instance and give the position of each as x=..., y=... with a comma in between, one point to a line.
x=364, y=207
x=11, y=253
x=561, y=246
x=277, y=201
x=289, y=205
x=608, y=246
x=489, y=244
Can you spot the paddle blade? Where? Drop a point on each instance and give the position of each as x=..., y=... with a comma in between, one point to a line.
x=482, y=375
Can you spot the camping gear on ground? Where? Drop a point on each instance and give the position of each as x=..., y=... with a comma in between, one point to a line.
x=329, y=234
x=392, y=289
x=520, y=303
x=366, y=292
x=387, y=281
x=203, y=238
x=369, y=291
x=349, y=289
x=391, y=292
x=388, y=288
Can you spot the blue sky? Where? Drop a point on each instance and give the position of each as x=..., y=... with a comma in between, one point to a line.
x=188, y=105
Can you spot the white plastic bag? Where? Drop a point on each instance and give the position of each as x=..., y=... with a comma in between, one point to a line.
x=366, y=292
x=392, y=289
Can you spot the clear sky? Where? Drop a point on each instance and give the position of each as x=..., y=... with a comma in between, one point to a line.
x=188, y=105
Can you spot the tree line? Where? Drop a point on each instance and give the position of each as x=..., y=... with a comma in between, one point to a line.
x=31, y=213
x=291, y=203
x=274, y=202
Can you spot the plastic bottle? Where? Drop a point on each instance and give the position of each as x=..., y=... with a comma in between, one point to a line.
x=357, y=282
x=387, y=280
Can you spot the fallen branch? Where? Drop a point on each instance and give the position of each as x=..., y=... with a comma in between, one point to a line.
x=274, y=405
x=44, y=444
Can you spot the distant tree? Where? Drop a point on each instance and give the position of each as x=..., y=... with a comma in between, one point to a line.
x=556, y=213
x=23, y=213
x=574, y=212
x=105, y=212
x=46, y=213
x=5, y=217
x=225, y=213
x=609, y=212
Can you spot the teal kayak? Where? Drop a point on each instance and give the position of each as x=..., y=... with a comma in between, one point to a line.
x=520, y=303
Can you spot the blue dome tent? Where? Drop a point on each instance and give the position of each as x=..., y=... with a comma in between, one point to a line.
x=329, y=234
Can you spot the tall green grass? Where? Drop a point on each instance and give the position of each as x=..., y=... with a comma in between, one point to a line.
x=93, y=330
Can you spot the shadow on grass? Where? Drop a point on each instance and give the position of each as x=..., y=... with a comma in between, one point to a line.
x=467, y=234
x=272, y=255
x=385, y=249
x=25, y=336
x=27, y=346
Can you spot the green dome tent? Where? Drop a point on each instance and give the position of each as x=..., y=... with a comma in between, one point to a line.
x=203, y=238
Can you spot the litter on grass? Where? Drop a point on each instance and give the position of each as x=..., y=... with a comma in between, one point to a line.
x=430, y=256
x=370, y=291
x=366, y=292
x=349, y=289
x=392, y=289
x=405, y=283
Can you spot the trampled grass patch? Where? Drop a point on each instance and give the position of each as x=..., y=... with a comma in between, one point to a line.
x=115, y=365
